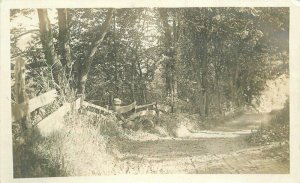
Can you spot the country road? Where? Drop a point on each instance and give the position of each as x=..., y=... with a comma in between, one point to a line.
x=219, y=150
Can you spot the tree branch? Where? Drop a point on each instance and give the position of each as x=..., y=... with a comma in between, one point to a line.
x=85, y=67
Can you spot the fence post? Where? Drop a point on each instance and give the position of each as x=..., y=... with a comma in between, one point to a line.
x=81, y=96
x=134, y=110
x=117, y=104
x=156, y=109
x=21, y=97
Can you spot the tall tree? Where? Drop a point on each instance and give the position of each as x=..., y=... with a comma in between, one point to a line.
x=85, y=66
x=51, y=56
x=62, y=66
x=64, y=37
x=170, y=54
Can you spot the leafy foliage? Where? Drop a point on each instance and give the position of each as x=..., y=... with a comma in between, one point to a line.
x=222, y=56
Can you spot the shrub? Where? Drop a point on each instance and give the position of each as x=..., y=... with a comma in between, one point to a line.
x=172, y=122
x=27, y=161
x=80, y=149
x=276, y=131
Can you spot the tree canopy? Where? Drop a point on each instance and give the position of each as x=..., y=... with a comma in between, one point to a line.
x=211, y=59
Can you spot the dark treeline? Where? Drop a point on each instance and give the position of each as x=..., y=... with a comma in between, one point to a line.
x=203, y=60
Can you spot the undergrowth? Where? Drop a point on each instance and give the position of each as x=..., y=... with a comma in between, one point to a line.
x=173, y=121
x=277, y=130
x=27, y=162
x=79, y=149
x=216, y=120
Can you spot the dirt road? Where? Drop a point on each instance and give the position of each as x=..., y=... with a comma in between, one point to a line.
x=198, y=154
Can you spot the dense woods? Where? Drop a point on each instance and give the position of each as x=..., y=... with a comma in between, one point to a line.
x=213, y=59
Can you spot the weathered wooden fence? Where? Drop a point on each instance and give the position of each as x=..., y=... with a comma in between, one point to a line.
x=21, y=109
x=23, y=106
x=133, y=109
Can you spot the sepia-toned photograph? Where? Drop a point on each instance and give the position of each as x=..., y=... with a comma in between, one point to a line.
x=114, y=91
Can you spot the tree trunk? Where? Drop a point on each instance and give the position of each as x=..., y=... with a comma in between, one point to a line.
x=143, y=79
x=170, y=54
x=49, y=50
x=65, y=50
x=64, y=42
x=167, y=52
x=218, y=93
x=116, y=67
x=133, y=84
x=234, y=80
x=64, y=37
x=21, y=96
x=85, y=66
x=206, y=108
x=145, y=94
x=133, y=72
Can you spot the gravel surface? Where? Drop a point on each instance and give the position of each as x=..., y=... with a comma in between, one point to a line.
x=196, y=154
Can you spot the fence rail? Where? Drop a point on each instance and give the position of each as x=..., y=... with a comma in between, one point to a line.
x=87, y=104
x=142, y=113
x=53, y=122
x=21, y=110
x=125, y=109
x=145, y=106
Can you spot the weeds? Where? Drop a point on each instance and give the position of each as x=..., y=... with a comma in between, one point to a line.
x=276, y=131
x=80, y=149
x=172, y=122
x=28, y=162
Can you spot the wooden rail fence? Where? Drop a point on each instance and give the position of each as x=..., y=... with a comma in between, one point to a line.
x=23, y=106
x=136, y=110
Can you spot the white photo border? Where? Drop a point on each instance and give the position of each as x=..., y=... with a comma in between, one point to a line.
x=6, y=165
